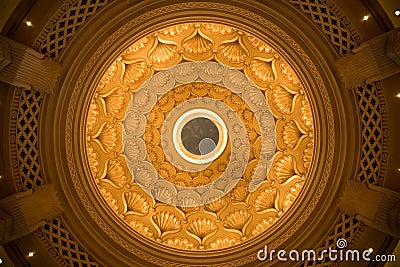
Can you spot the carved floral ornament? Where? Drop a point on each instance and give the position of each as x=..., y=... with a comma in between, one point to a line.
x=243, y=191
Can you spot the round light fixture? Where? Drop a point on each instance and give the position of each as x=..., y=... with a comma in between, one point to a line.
x=200, y=136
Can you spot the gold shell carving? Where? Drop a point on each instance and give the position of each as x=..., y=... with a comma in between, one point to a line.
x=239, y=194
x=284, y=168
x=263, y=69
x=163, y=52
x=197, y=44
x=233, y=51
x=135, y=203
x=109, y=198
x=143, y=176
x=292, y=195
x=141, y=228
x=108, y=137
x=282, y=99
x=237, y=220
x=216, y=206
x=224, y=242
x=263, y=225
x=116, y=173
x=115, y=101
x=289, y=74
x=162, y=193
x=291, y=134
x=201, y=227
x=180, y=243
x=133, y=71
x=92, y=115
x=166, y=222
x=266, y=200
x=306, y=115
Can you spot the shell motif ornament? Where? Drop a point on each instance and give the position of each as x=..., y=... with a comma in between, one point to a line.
x=144, y=175
x=284, y=168
x=163, y=194
x=282, y=99
x=163, y=51
x=239, y=194
x=197, y=44
x=291, y=134
x=133, y=70
x=216, y=206
x=166, y=222
x=237, y=220
x=108, y=137
x=115, y=173
x=141, y=228
x=263, y=69
x=135, y=203
x=114, y=101
x=201, y=228
x=266, y=200
x=233, y=51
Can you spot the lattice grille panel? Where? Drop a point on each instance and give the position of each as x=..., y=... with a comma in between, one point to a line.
x=27, y=139
x=66, y=27
x=332, y=25
x=345, y=228
x=68, y=250
x=372, y=137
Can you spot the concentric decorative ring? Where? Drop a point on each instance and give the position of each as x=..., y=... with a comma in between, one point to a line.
x=150, y=185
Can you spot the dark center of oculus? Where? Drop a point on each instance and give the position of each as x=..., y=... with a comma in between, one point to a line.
x=200, y=136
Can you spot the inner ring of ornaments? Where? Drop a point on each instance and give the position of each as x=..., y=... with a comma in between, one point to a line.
x=240, y=215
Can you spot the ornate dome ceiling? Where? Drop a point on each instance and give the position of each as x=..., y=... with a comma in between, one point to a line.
x=241, y=191
x=188, y=133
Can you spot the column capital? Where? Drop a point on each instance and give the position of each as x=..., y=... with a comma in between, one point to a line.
x=22, y=66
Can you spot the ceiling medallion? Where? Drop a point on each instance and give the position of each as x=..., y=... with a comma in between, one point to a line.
x=203, y=154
